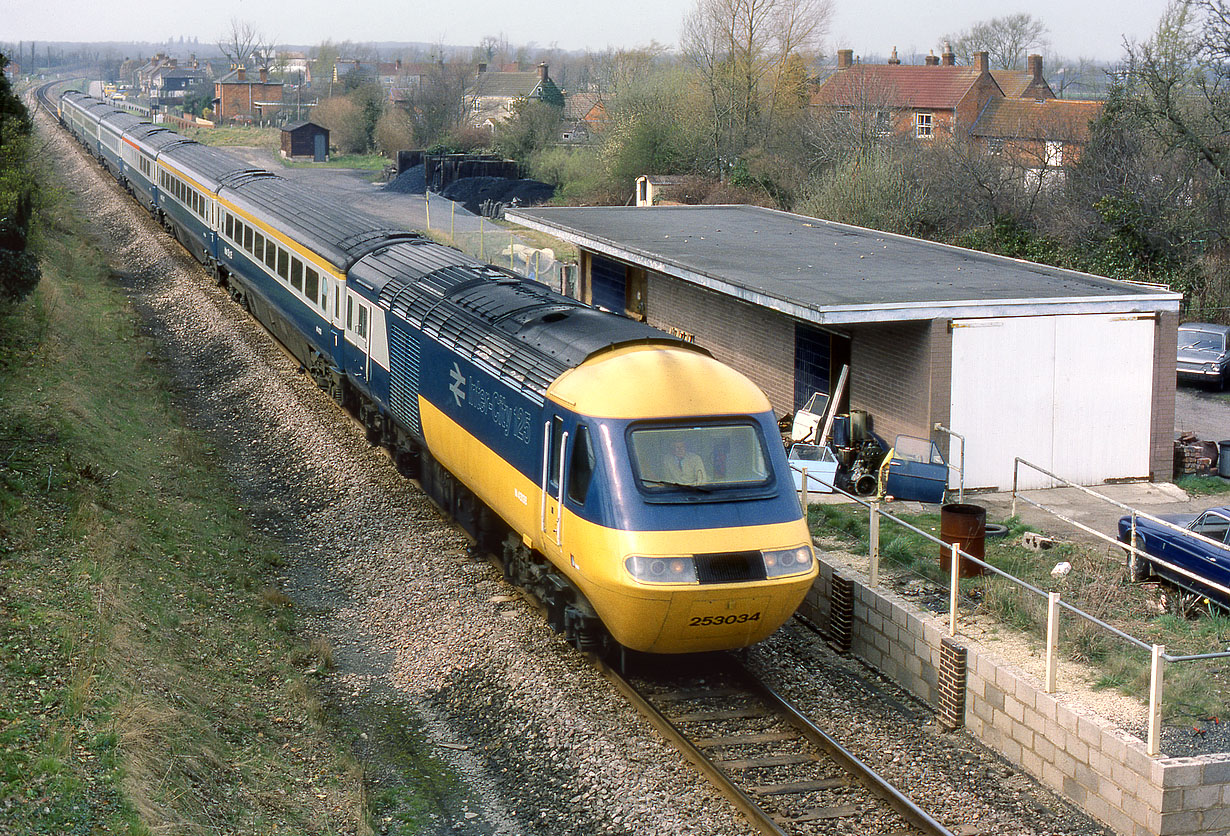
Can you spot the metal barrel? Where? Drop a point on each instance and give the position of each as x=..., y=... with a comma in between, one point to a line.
x=965, y=525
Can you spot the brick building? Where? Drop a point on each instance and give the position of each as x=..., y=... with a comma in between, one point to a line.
x=239, y=97
x=1070, y=371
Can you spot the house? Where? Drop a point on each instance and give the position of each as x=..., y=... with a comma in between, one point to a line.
x=238, y=97
x=1041, y=135
x=660, y=190
x=169, y=84
x=295, y=68
x=584, y=116
x=1017, y=357
x=492, y=96
x=305, y=139
x=1010, y=109
x=11, y=70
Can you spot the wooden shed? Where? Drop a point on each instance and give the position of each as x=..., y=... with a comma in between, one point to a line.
x=305, y=139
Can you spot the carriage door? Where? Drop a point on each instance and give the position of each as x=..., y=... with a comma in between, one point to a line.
x=358, y=323
x=555, y=439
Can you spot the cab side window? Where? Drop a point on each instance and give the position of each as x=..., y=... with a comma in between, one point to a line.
x=581, y=468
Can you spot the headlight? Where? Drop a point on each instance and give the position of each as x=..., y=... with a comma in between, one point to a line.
x=1211, y=368
x=662, y=569
x=787, y=561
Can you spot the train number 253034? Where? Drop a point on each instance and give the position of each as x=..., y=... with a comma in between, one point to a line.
x=741, y=618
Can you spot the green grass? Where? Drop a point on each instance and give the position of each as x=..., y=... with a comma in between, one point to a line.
x=150, y=678
x=364, y=162
x=246, y=135
x=1204, y=485
x=1096, y=584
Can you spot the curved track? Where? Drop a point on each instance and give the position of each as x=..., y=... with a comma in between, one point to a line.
x=783, y=772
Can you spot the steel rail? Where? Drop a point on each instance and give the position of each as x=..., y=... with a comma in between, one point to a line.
x=759, y=817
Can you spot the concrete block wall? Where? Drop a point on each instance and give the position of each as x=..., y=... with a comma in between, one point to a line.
x=756, y=341
x=891, y=375
x=1100, y=768
x=1161, y=435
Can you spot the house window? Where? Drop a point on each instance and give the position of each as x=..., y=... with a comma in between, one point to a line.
x=995, y=145
x=923, y=127
x=883, y=122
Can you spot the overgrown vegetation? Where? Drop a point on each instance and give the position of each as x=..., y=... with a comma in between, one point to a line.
x=19, y=270
x=1095, y=583
x=150, y=678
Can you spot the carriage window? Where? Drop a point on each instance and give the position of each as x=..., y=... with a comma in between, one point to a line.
x=271, y=253
x=310, y=286
x=258, y=248
x=557, y=441
x=296, y=274
x=283, y=263
x=361, y=329
x=349, y=313
x=581, y=470
x=324, y=294
x=230, y=226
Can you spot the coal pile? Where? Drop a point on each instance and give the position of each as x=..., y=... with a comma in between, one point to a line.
x=473, y=192
x=411, y=181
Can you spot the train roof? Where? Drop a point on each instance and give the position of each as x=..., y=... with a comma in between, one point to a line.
x=122, y=121
x=208, y=165
x=338, y=233
x=522, y=330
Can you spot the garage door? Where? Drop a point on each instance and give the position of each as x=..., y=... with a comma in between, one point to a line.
x=1072, y=394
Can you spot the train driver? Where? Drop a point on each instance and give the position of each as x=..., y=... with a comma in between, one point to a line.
x=682, y=466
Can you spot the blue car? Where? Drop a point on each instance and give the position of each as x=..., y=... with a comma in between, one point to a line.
x=1196, y=559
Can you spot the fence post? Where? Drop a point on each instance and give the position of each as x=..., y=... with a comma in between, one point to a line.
x=511, y=266
x=481, y=256
x=874, y=537
x=1052, y=640
x=452, y=222
x=1155, y=700
x=803, y=498
x=955, y=583
x=1132, y=556
x=1016, y=466
x=427, y=204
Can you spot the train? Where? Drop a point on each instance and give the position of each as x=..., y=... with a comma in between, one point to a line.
x=635, y=485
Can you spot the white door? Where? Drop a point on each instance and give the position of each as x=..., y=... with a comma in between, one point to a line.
x=1072, y=394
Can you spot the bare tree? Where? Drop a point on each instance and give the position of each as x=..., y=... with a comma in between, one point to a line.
x=1007, y=39
x=742, y=50
x=240, y=42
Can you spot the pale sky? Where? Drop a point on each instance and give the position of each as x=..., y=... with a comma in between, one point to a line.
x=1085, y=28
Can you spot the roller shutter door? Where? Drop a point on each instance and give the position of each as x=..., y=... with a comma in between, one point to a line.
x=1072, y=394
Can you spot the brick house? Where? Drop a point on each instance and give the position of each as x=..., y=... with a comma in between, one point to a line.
x=238, y=97
x=492, y=95
x=1009, y=111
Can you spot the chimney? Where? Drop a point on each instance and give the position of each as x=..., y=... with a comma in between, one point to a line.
x=482, y=68
x=397, y=65
x=542, y=71
x=845, y=59
x=947, y=58
x=241, y=74
x=982, y=62
x=894, y=60
x=264, y=75
x=932, y=60
x=1035, y=68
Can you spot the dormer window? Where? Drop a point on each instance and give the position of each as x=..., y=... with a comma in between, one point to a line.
x=923, y=127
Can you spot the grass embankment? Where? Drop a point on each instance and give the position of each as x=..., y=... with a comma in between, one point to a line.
x=150, y=679
x=1097, y=583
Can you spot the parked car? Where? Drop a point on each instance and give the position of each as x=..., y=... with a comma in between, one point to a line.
x=1204, y=353
x=1196, y=558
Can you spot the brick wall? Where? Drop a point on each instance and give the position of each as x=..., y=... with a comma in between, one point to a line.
x=901, y=373
x=756, y=341
x=1100, y=768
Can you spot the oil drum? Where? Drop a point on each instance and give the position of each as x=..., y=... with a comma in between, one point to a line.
x=966, y=526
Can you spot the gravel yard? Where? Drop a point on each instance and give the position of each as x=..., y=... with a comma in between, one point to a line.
x=429, y=641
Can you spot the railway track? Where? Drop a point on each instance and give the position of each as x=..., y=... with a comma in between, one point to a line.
x=783, y=772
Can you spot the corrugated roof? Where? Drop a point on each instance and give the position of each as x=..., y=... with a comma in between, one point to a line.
x=1047, y=119
x=897, y=86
